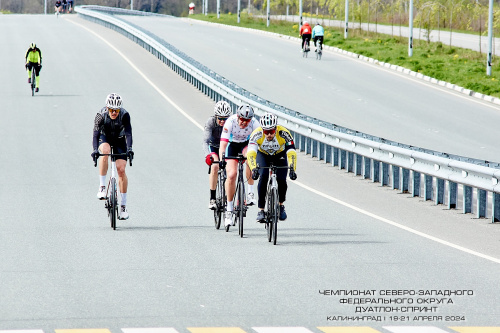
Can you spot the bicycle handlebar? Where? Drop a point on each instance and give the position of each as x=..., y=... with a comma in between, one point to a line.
x=112, y=155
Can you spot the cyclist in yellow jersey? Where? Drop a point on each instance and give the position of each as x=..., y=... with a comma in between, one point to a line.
x=271, y=143
x=34, y=60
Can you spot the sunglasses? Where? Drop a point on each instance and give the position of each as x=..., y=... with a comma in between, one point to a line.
x=269, y=132
x=244, y=120
x=114, y=110
x=222, y=118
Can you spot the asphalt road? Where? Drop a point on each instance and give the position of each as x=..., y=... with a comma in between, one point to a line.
x=62, y=267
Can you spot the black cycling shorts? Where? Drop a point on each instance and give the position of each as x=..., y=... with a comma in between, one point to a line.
x=235, y=148
x=119, y=146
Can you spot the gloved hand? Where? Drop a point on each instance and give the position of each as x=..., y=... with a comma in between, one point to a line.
x=209, y=159
x=292, y=175
x=130, y=153
x=222, y=164
x=255, y=174
x=95, y=155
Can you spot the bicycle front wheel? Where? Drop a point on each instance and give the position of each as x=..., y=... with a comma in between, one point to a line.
x=33, y=81
x=220, y=201
x=113, y=204
x=270, y=204
x=241, y=208
x=274, y=215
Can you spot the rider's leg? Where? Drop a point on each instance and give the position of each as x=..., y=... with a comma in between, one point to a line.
x=122, y=177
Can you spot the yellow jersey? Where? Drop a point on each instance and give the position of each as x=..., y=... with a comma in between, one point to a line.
x=282, y=142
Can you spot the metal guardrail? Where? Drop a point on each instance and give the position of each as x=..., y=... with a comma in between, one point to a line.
x=424, y=173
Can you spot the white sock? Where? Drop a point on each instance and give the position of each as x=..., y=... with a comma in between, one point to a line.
x=229, y=207
x=102, y=180
x=250, y=188
x=124, y=199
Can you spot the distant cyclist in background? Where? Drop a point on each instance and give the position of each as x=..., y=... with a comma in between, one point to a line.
x=64, y=6
x=34, y=60
x=271, y=143
x=70, y=6
x=305, y=33
x=211, y=143
x=317, y=34
x=112, y=128
x=234, y=140
x=58, y=7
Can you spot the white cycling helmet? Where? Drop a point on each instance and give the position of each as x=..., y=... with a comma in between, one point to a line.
x=305, y=22
x=245, y=111
x=222, y=109
x=32, y=46
x=114, y=101
x=268, y=121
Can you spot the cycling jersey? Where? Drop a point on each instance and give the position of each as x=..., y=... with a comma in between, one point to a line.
x=282, y=142
x=34, y=55
x=318, y=31
x=58, y=3
x=305, y=29
x=212, y=135
x=232, y=132
x=114, y=130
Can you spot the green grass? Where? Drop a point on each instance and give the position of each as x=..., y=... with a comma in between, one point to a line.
x=463, y=67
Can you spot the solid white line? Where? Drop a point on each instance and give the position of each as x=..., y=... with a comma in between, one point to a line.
x=362, y=211
x=382, y=219
x=281, y=330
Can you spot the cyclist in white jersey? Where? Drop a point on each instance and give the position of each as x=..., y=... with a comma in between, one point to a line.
x=234, y=140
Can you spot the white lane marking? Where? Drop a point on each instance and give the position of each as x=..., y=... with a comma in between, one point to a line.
x=281, y=330
x=143, y=75
x=382, y=219
x=21, y=331
x=150, y=330
x=484, y=256
x=414, y=329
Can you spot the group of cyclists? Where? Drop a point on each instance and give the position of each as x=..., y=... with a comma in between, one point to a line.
x=63, y=6
x=262, y=142
x=306, y=32
x=225, y=135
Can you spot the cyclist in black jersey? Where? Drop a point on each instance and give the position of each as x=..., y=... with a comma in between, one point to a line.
x=211, y=143
x=112, y=127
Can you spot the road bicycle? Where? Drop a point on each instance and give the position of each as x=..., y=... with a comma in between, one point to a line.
x=319, y=49
x=239, y=205
x=111, y=203
x=305, y=48
x=272, y=209
x=220, y=196
x=33, y=81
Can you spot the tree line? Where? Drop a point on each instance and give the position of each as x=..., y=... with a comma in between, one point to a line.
x=466, y=15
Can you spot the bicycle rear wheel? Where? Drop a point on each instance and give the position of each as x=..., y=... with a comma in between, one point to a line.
x=113, y=204
x=274, y=215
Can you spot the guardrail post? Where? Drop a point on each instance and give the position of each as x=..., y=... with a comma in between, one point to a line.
x=342, y=159
x=467, y=199
x=366, y=167
x=385, y=174
x=427, y=187
x=375, y=171
x=314, y=148
x=321, y=151
x=302, y=142
x=415, y=190
x=405, y=180
x=481, y=203
x=439, y=191
x=395, y=177
x=335, y=160
x=357, y=164
x=452, y=195
x=495, y=208
x=328, y=154
x=350, y=161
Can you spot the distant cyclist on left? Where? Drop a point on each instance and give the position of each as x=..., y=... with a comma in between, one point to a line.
x=34, y=60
